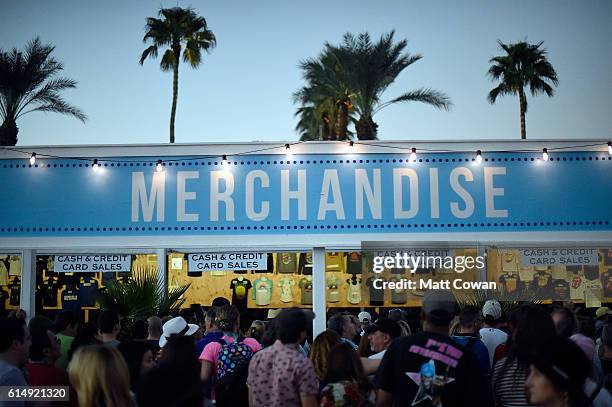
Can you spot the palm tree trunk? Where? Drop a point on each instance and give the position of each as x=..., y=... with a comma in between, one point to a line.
x=523, y=108
x=8, y=133
x=342, y=123
x=366, y=128
x=174, y=98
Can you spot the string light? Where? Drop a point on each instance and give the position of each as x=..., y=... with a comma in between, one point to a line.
x=610, y=147
x=545, y=154
x=33, y=159
x=95, y=165
x=478, y=157
x=351, y=143
x=159, y=167
x=224, y=159
x=288, y=150
x=413, y=156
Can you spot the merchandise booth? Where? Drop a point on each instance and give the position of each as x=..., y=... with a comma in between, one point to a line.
x=276, y=225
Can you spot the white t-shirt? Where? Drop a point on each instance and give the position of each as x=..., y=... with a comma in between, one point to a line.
x=378, y=355
x=492, y=337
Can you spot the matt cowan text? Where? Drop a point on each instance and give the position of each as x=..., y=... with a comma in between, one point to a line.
x=429, y=284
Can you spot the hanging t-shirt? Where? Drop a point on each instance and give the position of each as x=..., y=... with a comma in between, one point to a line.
x=306, y=289
x=15, y=266
x=377, y=297
x=427, y=355
x=285, y=263
x=269, y=265
x=354, y=263
x=70, y=300
x=50, y=289
x=607, y=283
x=3, y=274
x=577, y=286
x=305, y=263
x=561, y=290
x=88, y=290
x=353, y=294
x=607, y=256
x=542, y=285
x=333, y=262
x=591, y=272
x=262, y=293
x=286, y=284
x=510, y=282
x=334, y=289
x=240, y=288
x=526, y=274
x=4, y=295
x=398, y=295
x=15, y=292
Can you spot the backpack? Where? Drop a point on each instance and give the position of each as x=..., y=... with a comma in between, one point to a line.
x=232, y=371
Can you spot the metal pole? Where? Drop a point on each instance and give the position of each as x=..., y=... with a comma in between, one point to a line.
x=319, y=324
x=28, y=283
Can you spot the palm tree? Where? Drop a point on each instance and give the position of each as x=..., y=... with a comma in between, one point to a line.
x=523, y=65
x=29, y=83
x=355, y=75
x=179, y=28
x=371, y=68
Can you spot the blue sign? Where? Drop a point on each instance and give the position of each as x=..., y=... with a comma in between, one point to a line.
x=271, y=194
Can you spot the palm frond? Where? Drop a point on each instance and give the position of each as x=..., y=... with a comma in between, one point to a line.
x=429, y=96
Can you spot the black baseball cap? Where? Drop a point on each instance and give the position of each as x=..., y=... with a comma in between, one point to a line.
x=386, y=326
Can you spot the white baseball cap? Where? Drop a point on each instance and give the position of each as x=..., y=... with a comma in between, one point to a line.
x=177, y=327
x=492, y=308
x=363, y=316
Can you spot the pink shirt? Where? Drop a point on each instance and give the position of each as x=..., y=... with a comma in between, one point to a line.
x=210, y=353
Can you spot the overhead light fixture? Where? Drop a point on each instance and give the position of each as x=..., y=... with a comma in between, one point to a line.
x=545, y=154
x=224, y=159
x=288, y=150
x=33, y=159
x=478, y=157
x=159, y=167
x=95, y=165
x=610, y=147
x=413, y=156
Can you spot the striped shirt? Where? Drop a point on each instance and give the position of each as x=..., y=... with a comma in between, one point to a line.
x=509, y=384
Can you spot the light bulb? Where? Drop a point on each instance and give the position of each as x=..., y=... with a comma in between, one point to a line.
x=159, y=167
x=478, y=157
x=95, y=165
x=610, y=147
x=545, y=154
x=288, y=151
x=224, y=159
x=33, y=159
x=351, y=143
x=413, y=156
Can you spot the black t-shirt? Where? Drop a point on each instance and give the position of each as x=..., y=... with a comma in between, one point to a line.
x=353, y=263
x=15, y=292
x=3, y=297
x=50, y=288
x=461, y=381
x=70, y=300
x=305, y=264
x=377, y=297
x=240, y=291
x=88, y=288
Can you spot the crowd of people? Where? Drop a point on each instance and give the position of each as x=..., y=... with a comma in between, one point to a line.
x=473, y=356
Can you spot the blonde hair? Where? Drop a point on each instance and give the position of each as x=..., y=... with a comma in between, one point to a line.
x=320, y=351
x=100, y=377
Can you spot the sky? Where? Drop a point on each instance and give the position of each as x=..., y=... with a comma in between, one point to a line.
x=242, y=91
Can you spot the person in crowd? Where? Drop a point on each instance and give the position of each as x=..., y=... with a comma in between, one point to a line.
x=602, y=317
x=213, y=334
x=342, y=324
x=39, y=323
x=307, y=344
x=42, y=371
x=18, y=314
x=566, y=323
x=396, y=315
x=139, y=330
x=228, y=322
x=586, y=326
x=139, y=358
x=320, y=351
x=100, y=377
x=357, y=325
x=365, y=319
x=557, y=372
x=532, y=328
x=257, y=330
x=599, y=396
x=220, y=301
x=605, y=356
x=469, y=337
x=15, y=344
x=381, y=334
x=87, y=334
x=490, y=334
x=293, y=382
x=364, y=349
x=347, y=384
x=154, y=332
x=109, y=327
x=411, y=360
x=66, y=327
x=176, y=326
x=269, y=336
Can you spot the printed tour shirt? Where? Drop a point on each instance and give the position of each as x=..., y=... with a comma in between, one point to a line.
x=279, y=374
